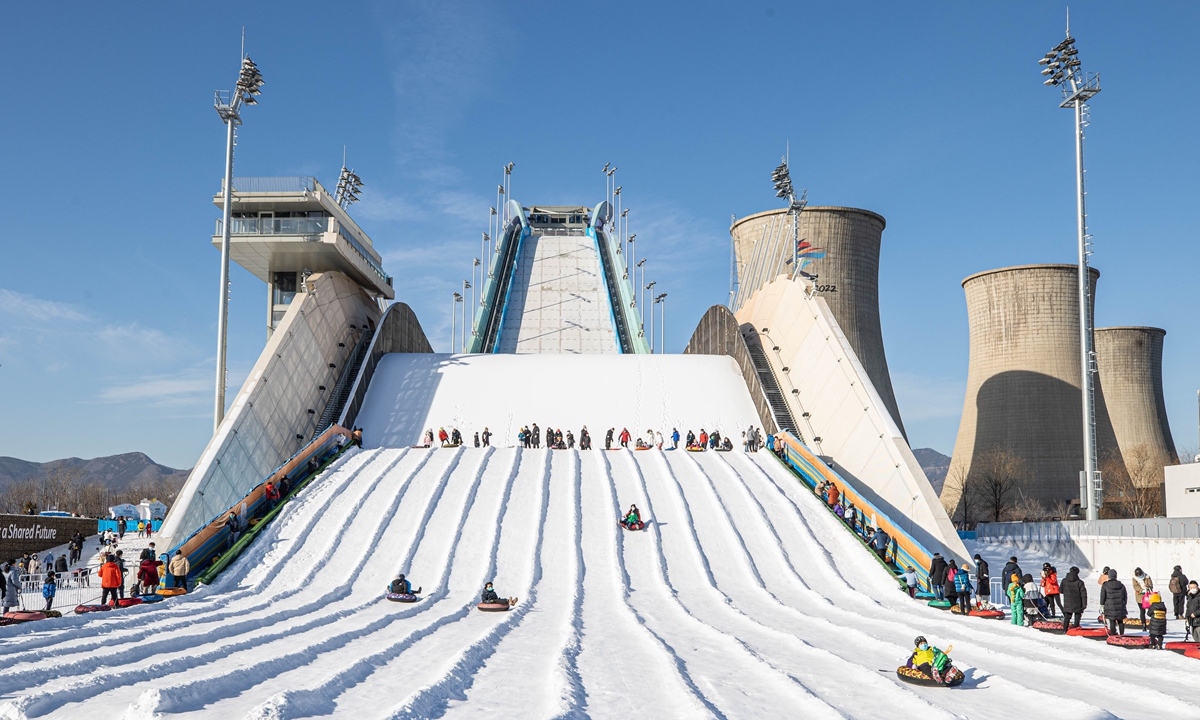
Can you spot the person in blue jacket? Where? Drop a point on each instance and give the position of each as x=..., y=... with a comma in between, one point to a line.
x=674, y=438
x=48, y=591
x=962, y=585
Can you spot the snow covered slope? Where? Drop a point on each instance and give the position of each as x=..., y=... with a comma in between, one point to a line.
x=413, y=392
x=558, y=302
x=742, y=598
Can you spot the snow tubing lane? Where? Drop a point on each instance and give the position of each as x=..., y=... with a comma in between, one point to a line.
x=171, y=591
x=81, y=609
x=21, y=616
x=916, y=677
x=1048, y=626
x=402, y=597
x=1181, y=647
x=942, y=604
x=1129, y=641
x=1095, y=633
x=129, y=602
x=493, y=607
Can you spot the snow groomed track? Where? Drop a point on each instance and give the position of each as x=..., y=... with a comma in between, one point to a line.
x=743, y=597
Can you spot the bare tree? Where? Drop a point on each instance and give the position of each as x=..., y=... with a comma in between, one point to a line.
x=1027, y=509
x=1001, y=477
x=967, y=489
x=1133, y=483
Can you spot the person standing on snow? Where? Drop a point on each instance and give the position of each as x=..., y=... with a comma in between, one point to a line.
x=486, y=436
x=910, y=581
x=1158, y=620
x=674, y=438
x=658, y=440
x=937, y=575
x=962, y=585
x=585, y=439
x=624, y=437
x=1178, y=587
x=179, y=569
x=1142, y=586
x=1050, y=588
x=1114, y=599
x=608, y=438
x=1191, y=611
x=110, y=580
x=1072, y=598
x=536, y=436
x=983, y=583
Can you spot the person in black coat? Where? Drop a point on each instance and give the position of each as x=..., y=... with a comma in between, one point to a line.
x=1156, y=615
x=1178, y=587
x=949, y=590
x=937, y=575
x=983, y=583
x=1114, y=598
x=1011, y=568
x=1191, y=612
x=1073, y=596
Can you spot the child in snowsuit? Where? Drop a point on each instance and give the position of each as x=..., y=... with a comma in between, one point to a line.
x=928, y=659
x=1033, y=599
x=49, y=589
x=1157, y=612
x=910, y=579
x=1016, y=600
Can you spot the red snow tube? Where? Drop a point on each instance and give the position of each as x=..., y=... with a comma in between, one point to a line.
x=916, y=677
x=997, y=614
x=402, y=597
x=1048, y=626
x=25, y=616
x=129, y=602
x=633, y=526
x=493, y=607
x=1097, y=633
x=1193, y=653
x=1181, y=647
x=91, y=608
x=1129, y=641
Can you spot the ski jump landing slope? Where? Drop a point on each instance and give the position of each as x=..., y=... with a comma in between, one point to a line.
x=742, y=598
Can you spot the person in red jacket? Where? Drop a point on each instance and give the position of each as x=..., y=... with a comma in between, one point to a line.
x=110, y=579
x=148, y=576
x=624, y=437
x=1050, y=589
x=272, y=493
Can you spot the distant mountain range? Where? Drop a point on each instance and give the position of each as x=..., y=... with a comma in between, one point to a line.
x=116, y=472
x=935, y=465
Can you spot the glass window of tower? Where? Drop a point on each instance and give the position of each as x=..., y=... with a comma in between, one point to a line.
x=285, y=287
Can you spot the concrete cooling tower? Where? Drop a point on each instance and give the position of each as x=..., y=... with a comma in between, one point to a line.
x=843, y=257
x=1023, y=382
x=1130, y=363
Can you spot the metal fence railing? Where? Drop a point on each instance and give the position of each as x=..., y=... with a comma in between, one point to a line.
x=72, y=589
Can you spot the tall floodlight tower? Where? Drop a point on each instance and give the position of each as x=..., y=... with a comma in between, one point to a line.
x=1064, y=70
x=782, y=177
x=229, y=107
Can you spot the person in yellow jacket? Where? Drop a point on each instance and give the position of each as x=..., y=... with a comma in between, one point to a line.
x=179, y=569
x=929, y=660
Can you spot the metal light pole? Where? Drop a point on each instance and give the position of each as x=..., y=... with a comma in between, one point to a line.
x=456, y=299
x=1063, y=68
x=782, y=176
x=662, y=323
x=632, y=255
x=466, y=304
x=650, y=286
x=229, y=107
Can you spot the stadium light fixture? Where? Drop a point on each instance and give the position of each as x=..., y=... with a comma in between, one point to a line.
x=228, y=105
x=1077, y=88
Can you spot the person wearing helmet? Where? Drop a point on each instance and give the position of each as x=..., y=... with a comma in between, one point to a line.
x=926, y=658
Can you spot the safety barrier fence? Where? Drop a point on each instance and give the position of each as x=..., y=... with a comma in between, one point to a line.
x=72, y=589
x=902, y=551
x=212, y=545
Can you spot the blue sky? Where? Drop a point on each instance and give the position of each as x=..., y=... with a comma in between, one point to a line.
x=931, y=114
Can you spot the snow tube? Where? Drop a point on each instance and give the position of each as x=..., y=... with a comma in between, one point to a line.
x=634, y=526
x=1048, y=626
x=1096, y=633
x=926, y=596
x=493, y=607
x=129, y=602
x=1193, y=653
x=1181, y=647
x=151, y=599
x=171, y=591
x=916, y=677
x=402, y=597
x=1129, y=641
x=20, y=616
x=91, y=608
x=5, y=622
x=943, y=604
x=996, y=614
x=1129, y=622
x=54, y=614
x=647, y=447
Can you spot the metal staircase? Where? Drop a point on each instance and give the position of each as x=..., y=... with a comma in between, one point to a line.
x=345, y=383
x=770, y=386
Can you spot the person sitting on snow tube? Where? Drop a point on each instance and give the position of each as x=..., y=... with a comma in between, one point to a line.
x=401, y=586
x=633, y=517
x=490, y=597
x=925, y=658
